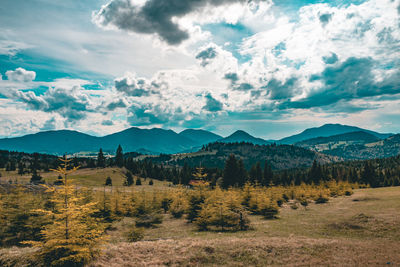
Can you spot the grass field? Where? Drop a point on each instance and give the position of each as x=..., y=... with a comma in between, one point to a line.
x=86, y=177
x=360, y=230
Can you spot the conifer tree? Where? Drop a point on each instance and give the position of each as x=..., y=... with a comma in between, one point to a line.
x=108, y=181
x=369, y=175
x=129, y=179
x=21, y=167
x=73, y=237
x=229, y=177
x=268, y=174
x=36, y=178
x=242, y=173
x=119, y=157
x=101, y=161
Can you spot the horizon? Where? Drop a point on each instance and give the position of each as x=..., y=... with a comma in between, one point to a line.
x=223, y=136
x=270, y=68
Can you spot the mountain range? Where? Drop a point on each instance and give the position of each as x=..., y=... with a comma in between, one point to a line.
x=156, y=141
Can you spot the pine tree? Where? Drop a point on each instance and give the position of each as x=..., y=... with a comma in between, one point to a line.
x=268, y=174
x=101, y=161
x=369, y=176
x=242, y=173
x=21, y=167
x=119, y=157
x=229, y=177
x=315, y=174
x=73, y=237
x=36, y=178
x=129, y=179
x=108, y=181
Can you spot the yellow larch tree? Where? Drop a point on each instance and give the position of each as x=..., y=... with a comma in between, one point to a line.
x=73, y=237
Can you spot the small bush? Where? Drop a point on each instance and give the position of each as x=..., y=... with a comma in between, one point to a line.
x=134, y=234
x=149, y=220
x=321, y=199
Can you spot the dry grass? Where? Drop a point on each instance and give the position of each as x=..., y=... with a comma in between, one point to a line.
x=342, y=232
x=262, y=251
x=16, y=256
x=86, y=177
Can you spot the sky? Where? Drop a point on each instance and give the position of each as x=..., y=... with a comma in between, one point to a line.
x=269, y=67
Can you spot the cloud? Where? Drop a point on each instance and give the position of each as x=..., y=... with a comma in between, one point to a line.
x=212, y=104
x=107, y=123
x=233, y=77
x=152, y=16
x=282, y=90
x=352, y=79
x=332, y=59
x=11, y=48
x=325, y=18
x=20, y=75
x=205, y=55
x=49, y=125
x=116, y=104
x=133, y=86
x=70, y=103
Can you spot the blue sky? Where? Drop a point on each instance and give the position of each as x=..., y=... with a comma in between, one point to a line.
x=272, y=68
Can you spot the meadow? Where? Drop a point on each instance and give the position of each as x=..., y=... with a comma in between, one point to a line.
x=333, y=223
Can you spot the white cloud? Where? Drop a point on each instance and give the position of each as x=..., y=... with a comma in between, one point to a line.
x=20, y=75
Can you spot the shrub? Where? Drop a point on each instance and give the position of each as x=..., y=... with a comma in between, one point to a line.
x=321, y=199
x=108, y=181
x=149, y=220
x=134, y=234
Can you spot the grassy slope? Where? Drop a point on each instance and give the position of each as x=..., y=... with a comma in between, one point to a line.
x=363, y=229
x=85, y=177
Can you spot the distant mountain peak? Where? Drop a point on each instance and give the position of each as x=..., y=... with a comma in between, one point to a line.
x=242, y=136
x=327, y=130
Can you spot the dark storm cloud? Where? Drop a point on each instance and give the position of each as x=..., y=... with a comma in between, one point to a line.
x=353, y=79
x=154, y=17
x=212, y=104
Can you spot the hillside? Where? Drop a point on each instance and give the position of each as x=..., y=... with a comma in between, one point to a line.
x=381, y=149
x=321, y=144
x=328, y=130
x=279, y=156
